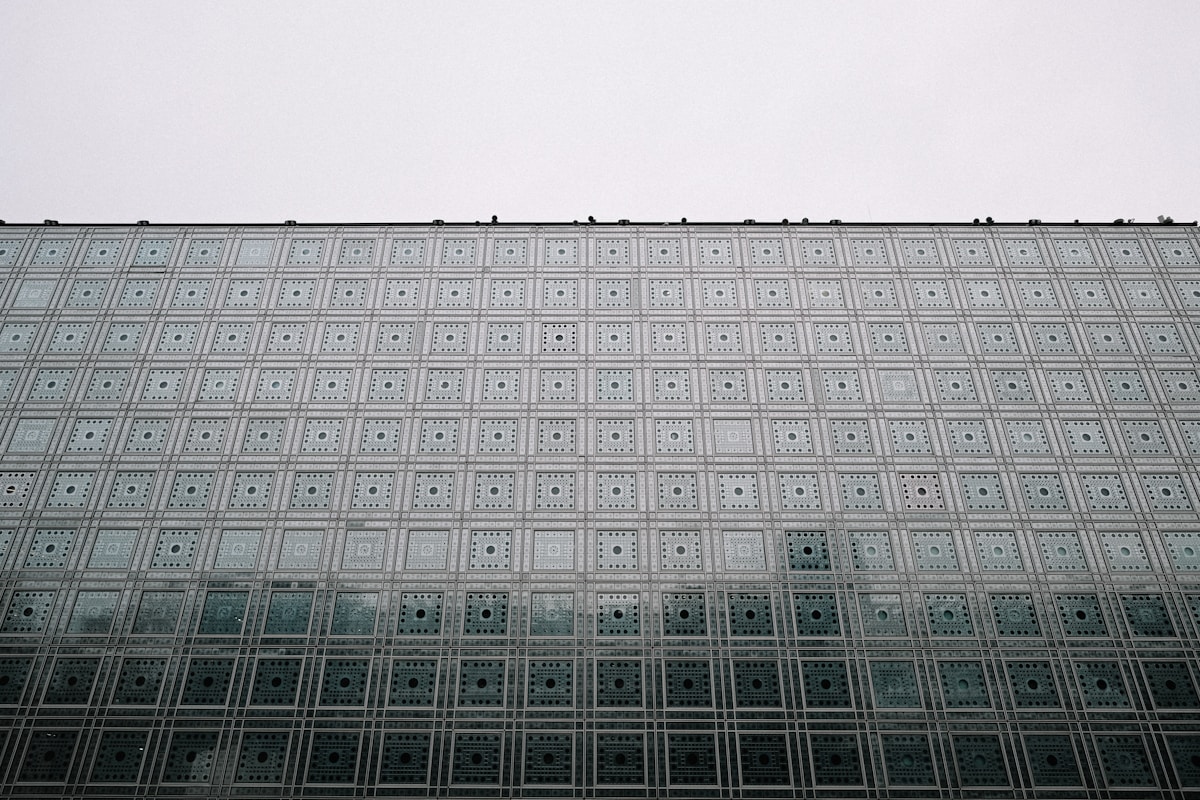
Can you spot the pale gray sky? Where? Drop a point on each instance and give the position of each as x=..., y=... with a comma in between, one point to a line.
x=386, y=111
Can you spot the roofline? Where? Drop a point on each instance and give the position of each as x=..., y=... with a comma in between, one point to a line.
x=598, y=223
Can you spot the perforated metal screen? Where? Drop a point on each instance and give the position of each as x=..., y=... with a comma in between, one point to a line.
x=600, y=511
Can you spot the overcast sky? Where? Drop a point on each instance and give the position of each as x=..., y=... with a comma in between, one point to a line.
x=387, y=111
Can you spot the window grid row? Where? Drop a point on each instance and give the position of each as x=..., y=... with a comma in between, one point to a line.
x=1069, y=434
x=1122, y=385
x=293, y=292
x=515, y=338
x=557, y=757
x=988, y=548
x=600, y=247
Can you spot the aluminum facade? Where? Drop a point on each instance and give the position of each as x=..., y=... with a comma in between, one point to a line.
x=600, y=511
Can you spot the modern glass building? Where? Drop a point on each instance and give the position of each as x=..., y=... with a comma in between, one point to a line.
x=600, y=510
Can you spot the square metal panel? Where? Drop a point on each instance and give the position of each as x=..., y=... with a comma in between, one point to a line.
x=552, y=614
x=139, y=681
x=681, y=550
x=408, y=251
x=618, y=615
x=481, y=683
x=894, y=684
x=1033, y=685
x=262, y=758
x=684, y=614
x=618, y=683
x=288, y=613
x=550, y=683
x=1015, y=615
x=882, y=615
x=1062, y=551
x=158, y=613
x=420, y=613
x=490, y=550
x=816, y=614
x=692, y=759
x=963, y=684
x=1081, y=615
x=871, y=550
x=980, y=760
x=486, y=614
x=48, y=756
x=71, y=682
x=413, y=683
x=949, y=615
x=344, y=681
x=427, y=550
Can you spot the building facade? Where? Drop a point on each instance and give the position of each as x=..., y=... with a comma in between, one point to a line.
x=600, y=510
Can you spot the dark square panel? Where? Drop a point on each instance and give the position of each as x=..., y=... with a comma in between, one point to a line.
x=207, y=682
x=826, y=684
x=1171, y=685
x=49, y=756
x=1081, y=615
x=551, y=683
x=1147, y=615
x=750, y=615
x=1102, y=684
x=420, y=614
x=190, y=757
x=894, y=684
x=763, y=759
x=1015, y=615
x=1124, y=762
x=476, y=758
x=288, y=614
x=333, y=757
x=1032, y=684
x=486, y=614
x=836, y=759
x=14, y=674
x=949, y=615
x=1185, y=752
x=620, y=758
x=907, y=759
x=404, y=758
x=344, y=681
x=548, y=758
x=980, y=760
x=807, y=550
x=963, y=684
x=276, y=681
x=224, y=613
x=1051, y=759
x=119, y=756
x=481, y=683
x=816, y=614
x=413, y=682
x=71, y=681
x=140, y=681
x=618, y=683
x=691, y=759
x=756, y=684
x=263, y=757
x=684, y=615
x=688, y=683
x=158, y=613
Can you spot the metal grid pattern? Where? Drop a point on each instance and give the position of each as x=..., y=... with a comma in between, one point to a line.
x=600, y=511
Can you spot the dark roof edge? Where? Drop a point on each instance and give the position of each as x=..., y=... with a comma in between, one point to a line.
x=612, y=223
